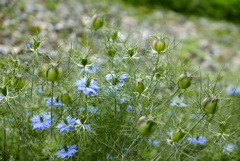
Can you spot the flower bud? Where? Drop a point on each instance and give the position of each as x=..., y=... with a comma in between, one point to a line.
x=65, y=98
x=177, y=135
x=139, y=86
x=18, y=82
x=146, y=126
x=4, y=91
x=97, y=22
x=54, y=73
x=210, y=105
x=184, y=81
x=111, y=52
x=159, y=45
x=114, y=35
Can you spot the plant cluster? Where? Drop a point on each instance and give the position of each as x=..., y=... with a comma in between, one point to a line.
x=108, y=99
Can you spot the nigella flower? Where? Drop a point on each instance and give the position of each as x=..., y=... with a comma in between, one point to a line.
x=66, y=151
x=178, y=101
x=198, y=140
x=129, y=108
x=109, y=157
x=28, y=45
x=116, y=80
x=153, y=142
x=56, y=101
x=92, y=68
x=41, y=121
x=84, y=126
x=91, y=109
x=233, y=90
x=67, y=124
x=88, y=86
x=229, y=148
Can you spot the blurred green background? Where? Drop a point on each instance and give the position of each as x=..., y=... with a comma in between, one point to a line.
x=217, y=9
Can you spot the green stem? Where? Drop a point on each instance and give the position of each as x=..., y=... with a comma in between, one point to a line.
x=5, y=139
x=51, y=129
x=20, y=129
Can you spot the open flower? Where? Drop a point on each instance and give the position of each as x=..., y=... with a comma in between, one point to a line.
x=88, y=86
x=116, y=80
x=66, y=151
x=178, y=101
x=229, y=148
x=67, y=124
x=233, y=90
x=198, y=140
x=41, y=121
x=56, y=101
x=84, y=126
x=91, y=68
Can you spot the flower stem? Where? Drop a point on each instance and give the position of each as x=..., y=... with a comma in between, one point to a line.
x=51, y=108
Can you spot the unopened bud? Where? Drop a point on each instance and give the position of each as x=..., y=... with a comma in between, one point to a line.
x=18, y=82
x=159, y=45
x=97, y=22
x=65, y=98
x=146, y=126
x=177, y=135
x=139, y=86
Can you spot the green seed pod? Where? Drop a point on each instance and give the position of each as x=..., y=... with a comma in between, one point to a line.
x=177, y=135
x=184, y=81
x=54, y=73
x=65, y=98
x=18, y=82
x=97, y=22
x=139, y=86
x=159, y=45
x=4, y=91
x=146, y=126
x=42, y=71
x=210, y=105
x=111, y=52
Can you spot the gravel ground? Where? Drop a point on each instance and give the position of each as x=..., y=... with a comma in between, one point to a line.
x=208, y=43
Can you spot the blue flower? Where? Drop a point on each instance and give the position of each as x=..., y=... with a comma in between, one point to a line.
x=233, y=90
x=28, y=45
x=198, y=140
x=56, y=102
x=1, y=97
x=129, y=108
x=87, y=86
x=67, y=124
x=116, y=80
x=153, y=142
x=41, y=121
x=178, y=101
x=92, y=68
x=85, y=126
x=90, y=108
x=66, y=152
x=109, y=157
x=229, y=148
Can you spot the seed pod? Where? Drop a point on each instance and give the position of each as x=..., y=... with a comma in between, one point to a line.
x=184, y=81
x=139, y=86
x=54, y=73
x=146, y=126
x=18, y=82
x=84, y=61
x=210, y=105
x=159, y=45
x=42, y=71
x=97, y=22
x=177, y=135
x=65, y=98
